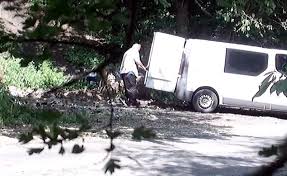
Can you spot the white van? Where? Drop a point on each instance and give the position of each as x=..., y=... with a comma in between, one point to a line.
x=209, y=73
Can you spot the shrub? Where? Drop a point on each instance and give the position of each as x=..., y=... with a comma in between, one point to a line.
x=163, y=97
x=11, y=112
x=84, y=57
x=43, y=76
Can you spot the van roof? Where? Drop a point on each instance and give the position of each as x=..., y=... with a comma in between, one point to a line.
x=238, y=46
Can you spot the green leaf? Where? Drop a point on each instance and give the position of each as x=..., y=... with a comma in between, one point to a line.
x=164, y=3
x=78, y=149
x=111, y=165
x=120, y=19
x=143, y=133
x=62, y=150
x=50, y=115
x=264, y=85
x=71, y=134
x=31, y=151
x=268, y=151
x=279, y=86
x=25, y=138
x=40, y=130
x=106, y=4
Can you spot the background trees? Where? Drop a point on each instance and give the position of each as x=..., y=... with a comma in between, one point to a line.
x=121, y=22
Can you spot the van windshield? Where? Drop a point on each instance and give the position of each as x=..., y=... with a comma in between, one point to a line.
x=281, y=63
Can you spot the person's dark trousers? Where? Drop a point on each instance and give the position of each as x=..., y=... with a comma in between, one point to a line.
x=130, y=87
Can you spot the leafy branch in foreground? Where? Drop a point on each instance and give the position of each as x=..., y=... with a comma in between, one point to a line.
x=52, y=136
x=278, y=85
x=112, y=163
x=280, y=151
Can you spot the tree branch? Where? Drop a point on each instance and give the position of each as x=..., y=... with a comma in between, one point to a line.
x=93, y=44
x=202, y=8
x=73, y=80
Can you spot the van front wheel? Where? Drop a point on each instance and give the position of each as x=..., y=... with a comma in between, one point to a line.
x=204, y=100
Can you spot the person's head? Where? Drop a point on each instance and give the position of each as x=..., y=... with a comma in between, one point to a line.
x=137, y=46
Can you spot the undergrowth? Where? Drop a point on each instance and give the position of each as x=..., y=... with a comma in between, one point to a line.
x=14, y=113
x=83, y=57
x=32, y=76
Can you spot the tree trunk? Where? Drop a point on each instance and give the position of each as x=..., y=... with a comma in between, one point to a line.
x=182, y=17
x=132, y=8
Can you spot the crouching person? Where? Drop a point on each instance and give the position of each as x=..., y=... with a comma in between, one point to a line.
x=129, y=73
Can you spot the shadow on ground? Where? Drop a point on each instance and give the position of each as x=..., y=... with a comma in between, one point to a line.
x=173, y=161
x=240, y=111
x=171, y=124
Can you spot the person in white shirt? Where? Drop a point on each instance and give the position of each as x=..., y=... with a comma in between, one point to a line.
x=129, y=72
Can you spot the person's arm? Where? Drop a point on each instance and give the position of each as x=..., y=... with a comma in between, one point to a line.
x=139, y=63
x=122, y=63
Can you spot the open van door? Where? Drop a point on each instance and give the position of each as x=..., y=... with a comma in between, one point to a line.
x=164, y=62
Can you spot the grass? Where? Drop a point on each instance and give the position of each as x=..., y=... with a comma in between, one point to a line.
x=83, y=57
x=39, y=76
x=14, y=113
x=32, y=76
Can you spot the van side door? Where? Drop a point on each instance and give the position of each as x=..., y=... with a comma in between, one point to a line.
x=244, y=71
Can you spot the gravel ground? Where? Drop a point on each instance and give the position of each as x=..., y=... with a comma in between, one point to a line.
x=188, y=143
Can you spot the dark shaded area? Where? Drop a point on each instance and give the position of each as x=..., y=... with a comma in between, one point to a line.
x=181, y=162
x=176, y=128
x=185, y=106
x=253, y=112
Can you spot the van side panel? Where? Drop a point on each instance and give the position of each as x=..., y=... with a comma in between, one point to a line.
x=206, y=63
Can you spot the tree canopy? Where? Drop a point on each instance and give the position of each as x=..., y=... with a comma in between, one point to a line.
x=121, y=22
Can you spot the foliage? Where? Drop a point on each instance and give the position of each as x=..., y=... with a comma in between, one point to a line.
x=255, y=19
x=163, y=97
x=277, y=83
x=13, y=112
x=154, y=16
x=95, y=18
x=29, y=77
x=143, y=133
x=52, y=135
x=9, y=109
x=280, y=151
x=111, y=165
x=81, y=56
x=270, y=78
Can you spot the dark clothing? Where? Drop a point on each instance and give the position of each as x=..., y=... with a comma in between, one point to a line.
x=130, y=87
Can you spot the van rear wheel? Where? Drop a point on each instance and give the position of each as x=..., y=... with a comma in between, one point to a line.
x=205, y=100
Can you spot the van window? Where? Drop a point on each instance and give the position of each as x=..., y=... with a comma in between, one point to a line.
x=245, y=62
x=281, y=63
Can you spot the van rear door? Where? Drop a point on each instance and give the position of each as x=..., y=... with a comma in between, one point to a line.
x=164, y=62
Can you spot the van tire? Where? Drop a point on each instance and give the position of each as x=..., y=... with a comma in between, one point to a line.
x=204, y=100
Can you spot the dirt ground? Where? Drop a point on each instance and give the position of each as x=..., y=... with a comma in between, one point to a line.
x=187, y=143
